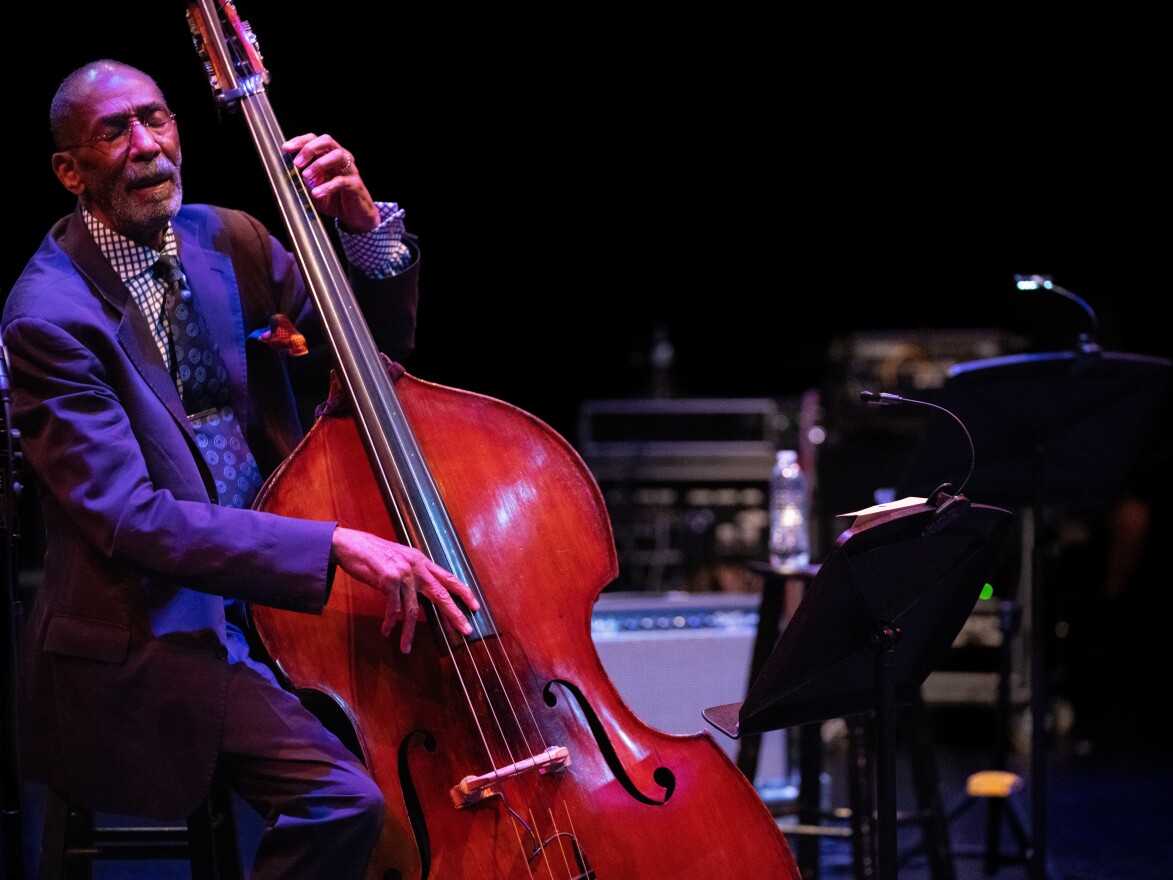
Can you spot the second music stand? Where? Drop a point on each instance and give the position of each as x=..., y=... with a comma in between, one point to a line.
x=1055, y=429
x=888, y=602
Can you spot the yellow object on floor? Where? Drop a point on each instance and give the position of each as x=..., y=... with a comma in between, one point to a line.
x=993, y=783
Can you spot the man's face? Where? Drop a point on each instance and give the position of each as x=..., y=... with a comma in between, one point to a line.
x=126, y=162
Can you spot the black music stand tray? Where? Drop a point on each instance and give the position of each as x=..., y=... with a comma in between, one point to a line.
x=887, y=603
x=1059, y=428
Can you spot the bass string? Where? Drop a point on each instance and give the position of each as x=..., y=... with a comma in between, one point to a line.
x=514, y=706
x=485, y=636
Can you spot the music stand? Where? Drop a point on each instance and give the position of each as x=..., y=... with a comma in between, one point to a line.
x=887, y=603
x=1059, y=428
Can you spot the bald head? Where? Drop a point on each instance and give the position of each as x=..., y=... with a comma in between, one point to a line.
x=77, y=90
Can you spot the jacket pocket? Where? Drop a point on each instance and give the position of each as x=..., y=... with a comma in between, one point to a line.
x=88, y=638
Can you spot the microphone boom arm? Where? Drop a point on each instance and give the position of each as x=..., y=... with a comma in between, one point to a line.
x=880, y=398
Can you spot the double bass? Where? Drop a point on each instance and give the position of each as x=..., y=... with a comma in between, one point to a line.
x=507, y=753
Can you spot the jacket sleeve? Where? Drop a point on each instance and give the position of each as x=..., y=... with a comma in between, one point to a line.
x=131, y=488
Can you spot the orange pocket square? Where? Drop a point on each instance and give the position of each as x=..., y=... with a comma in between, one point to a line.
x=283, y=335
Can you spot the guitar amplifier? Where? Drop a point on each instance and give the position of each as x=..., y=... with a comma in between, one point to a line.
x=672, y=655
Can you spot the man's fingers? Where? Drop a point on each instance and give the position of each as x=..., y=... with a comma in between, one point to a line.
x=404, y=574
x=394, y=607
x=446, y=583
x=448, y=607
x=408, y=633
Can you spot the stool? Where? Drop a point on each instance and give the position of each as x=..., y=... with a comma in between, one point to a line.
x=997, y=788
x=72, y=840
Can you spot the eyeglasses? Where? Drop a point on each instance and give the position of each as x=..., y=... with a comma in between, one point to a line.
x=115, y=133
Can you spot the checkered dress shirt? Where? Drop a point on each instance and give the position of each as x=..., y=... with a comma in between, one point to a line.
x=380, y=253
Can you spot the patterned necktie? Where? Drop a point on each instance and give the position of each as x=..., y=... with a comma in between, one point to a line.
x=207, y=398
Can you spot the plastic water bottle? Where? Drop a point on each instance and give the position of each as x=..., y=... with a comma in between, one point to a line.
x=789, y=512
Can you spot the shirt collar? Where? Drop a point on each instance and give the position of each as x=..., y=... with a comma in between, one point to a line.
x=129, y=258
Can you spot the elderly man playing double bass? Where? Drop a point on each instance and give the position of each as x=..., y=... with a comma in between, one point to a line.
x=138, y=680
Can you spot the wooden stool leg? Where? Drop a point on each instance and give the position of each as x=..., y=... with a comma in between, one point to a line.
x=71, y=840
x=66, y=828
x=215, y=853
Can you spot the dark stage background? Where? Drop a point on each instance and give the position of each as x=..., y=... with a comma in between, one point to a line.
x=755, y=183
x=753, y=187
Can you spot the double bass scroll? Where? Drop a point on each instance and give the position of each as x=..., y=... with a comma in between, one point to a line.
x=507, y=753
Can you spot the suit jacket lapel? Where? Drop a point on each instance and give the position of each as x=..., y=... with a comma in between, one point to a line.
x=134, y=332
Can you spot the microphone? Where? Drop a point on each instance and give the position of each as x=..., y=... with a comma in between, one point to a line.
x=880, y=398
x=1087, y=341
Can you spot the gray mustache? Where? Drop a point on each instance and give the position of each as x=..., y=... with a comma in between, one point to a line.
x=156, y=171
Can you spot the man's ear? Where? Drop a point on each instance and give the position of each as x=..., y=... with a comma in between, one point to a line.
x=65, y=167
